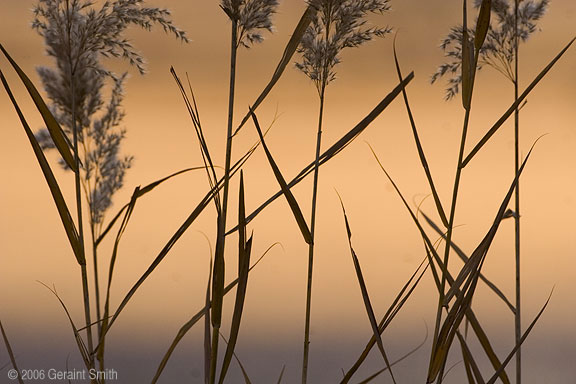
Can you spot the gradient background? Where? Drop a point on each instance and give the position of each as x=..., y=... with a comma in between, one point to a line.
x=33, y=246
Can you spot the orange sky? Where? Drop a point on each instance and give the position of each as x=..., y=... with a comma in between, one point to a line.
x=33, y=245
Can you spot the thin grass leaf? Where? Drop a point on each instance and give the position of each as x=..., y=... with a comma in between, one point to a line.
x=366, y=296
x=79, y=341
x=467, y=62
x=11, y=354
x=296, y=211
x=63, y=211
x=392, y=311
x=195, y=116
x=465, y=258
x=289, y=51
x=419, y=145
x=281, y=374
x=410, y=353
x=337, y=147
x=482, y=24
x=244, y=250
x=52, y=125
x=471, y=317
x=514, y=105
x=207, y=341
x=141, y=193
x=524, y=336
x=244, y=373
x=125, y=220
x=190, y=323
x=472, y=370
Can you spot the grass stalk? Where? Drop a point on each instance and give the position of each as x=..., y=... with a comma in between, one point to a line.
x=311, y=245
x=518, y=314
x=78, y=191
x=218, y=281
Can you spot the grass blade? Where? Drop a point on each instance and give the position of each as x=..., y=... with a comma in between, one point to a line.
x=289, y=51
x=244, y=373
x=10, y=353
x=244, y=250
x=281, y=374
x=419, y=145
x=366, y=296
x=410, y=353
x=515, y=105
x=472, y=370
x=482, y=25
x=524, y=336
x=52, y=125
x=296, y=211
x=105, y=318
x=79, y=341
x=63, y=211
x=207, y=341
x=392, y=311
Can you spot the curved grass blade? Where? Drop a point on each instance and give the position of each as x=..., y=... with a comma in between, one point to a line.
x=296, y=211
x=289, y=51
x=244, y=373
x=514, y=105
x=190, y=323
x=244, y=250
x=281, y=374
x=524, y=336
x=63, y=211
x=337, y=147
x=195, y=116
x=472, y=370
x=11, y=354
x=52, y=125
x=410, y=353
x=392, y=311
x=419, y=145
x=105, y=318
x=482, y=25
x=366, y=296
x=207, y=341
x=79, y=341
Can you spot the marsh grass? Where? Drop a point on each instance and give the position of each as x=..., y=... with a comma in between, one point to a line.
x=455, y=318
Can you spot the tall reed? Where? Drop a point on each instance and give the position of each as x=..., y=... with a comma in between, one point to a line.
x=336, y=25
x=77, y=37
x=247, y=19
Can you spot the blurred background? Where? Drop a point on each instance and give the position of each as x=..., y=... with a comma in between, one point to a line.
x=34, y=248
